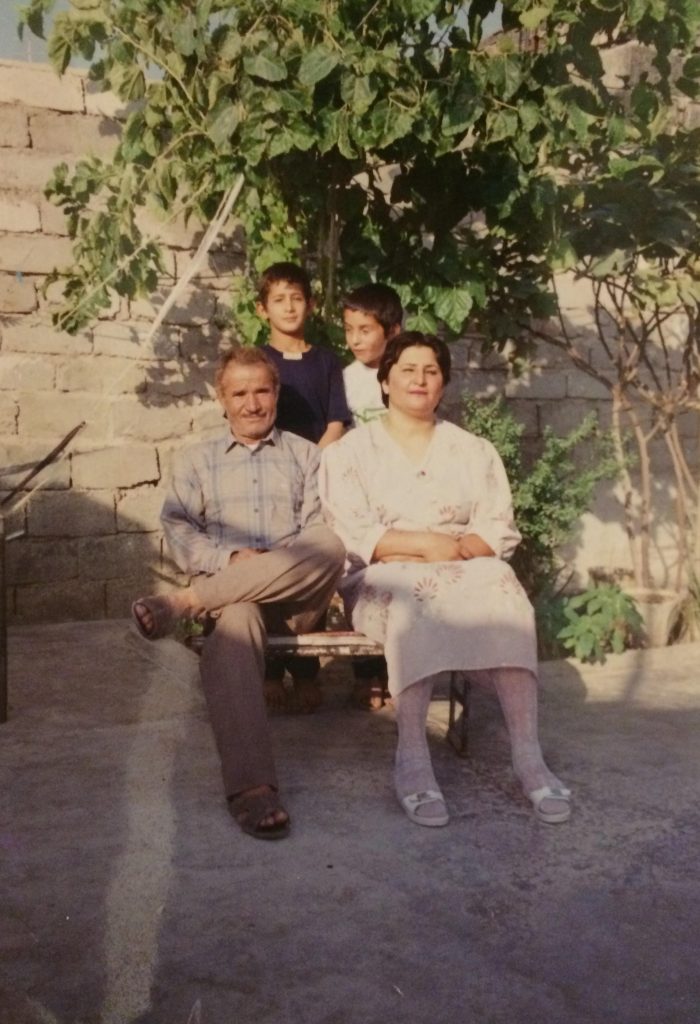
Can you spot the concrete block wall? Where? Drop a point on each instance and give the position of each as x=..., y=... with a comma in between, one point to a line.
x=91, y=538
x=91, y=533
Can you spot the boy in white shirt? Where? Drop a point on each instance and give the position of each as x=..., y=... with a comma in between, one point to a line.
x=372, y=314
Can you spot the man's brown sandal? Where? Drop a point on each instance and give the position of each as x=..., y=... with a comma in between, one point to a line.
x=251, y=809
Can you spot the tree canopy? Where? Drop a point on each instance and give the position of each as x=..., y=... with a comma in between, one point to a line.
x=387, y=141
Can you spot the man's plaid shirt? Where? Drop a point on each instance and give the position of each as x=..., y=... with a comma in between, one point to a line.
x=224, y=496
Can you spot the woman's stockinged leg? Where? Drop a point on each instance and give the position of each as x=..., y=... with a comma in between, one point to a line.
x=415, y=783
x=516, y=689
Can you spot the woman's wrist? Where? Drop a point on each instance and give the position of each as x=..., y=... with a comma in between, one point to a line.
x=471, y=545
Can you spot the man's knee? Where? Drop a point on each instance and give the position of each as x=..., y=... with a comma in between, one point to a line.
x=326, y=543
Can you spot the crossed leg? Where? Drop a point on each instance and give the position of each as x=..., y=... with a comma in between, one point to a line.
x=295, y=583
x=301, y=576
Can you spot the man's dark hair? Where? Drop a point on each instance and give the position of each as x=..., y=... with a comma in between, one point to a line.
x=245, y=355
x=407, y=339
x=378, y=300
x=283, y=271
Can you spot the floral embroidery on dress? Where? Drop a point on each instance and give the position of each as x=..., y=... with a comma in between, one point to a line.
x=511, y=585
x=375, y=607
x=448, y=513
x=426, y=589
x=449, y=572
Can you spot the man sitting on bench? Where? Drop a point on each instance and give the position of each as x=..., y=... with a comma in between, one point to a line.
x=243, y=515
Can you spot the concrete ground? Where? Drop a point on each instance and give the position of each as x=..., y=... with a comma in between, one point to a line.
x=128, y=896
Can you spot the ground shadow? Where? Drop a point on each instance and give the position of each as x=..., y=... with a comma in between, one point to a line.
x=132, y=896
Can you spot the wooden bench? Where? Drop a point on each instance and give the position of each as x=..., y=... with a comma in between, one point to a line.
x=348, y=644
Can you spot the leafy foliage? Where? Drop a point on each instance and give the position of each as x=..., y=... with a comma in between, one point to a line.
x=551, y=493
x=385, y=141
x=600, y=621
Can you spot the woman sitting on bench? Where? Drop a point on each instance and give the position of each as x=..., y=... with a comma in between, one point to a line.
x=424, y=510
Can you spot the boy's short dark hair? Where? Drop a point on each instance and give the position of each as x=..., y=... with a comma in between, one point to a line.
x=378, y=300
x=283, y=271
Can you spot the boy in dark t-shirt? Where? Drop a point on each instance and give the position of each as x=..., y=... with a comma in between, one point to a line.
x=312, y=397
x=312, y=404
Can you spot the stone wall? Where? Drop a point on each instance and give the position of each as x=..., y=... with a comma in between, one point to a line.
x=90, y=536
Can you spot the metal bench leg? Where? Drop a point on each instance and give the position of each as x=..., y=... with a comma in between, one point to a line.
x=458, y=723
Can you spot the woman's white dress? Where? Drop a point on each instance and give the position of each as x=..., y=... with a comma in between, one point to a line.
x=431, y=617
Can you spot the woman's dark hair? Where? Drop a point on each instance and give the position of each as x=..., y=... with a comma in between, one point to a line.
x=407, y=339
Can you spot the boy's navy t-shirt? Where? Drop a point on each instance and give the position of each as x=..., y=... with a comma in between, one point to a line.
x=312, y=393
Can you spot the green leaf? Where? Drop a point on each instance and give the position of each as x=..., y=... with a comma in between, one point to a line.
x=501, y=125
x=562, y=255
x=463, y=109
x=150, y=143
x=175, y=63
x=529, y=114
x=580, y=121
x=453, y=305
x=184, y=36
x=266, y=65
x=648, y=165
x=317, y=64
x=503, y=72
x=423, y=321
x=281, y=142
x=532, y=18
x=584, y=646
x=303, y=137
x=636, y=9
x=59, y=50
x=363, y=95
x=231, y=47
x=133, y=84
x=525, y=150
x=33, y=17
x=345, y=145
x=617, y=130
x=390, y=123
x=691, y=68
x=644, y=101
x=222, y=122
x=688, y=86
x=612, y=263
